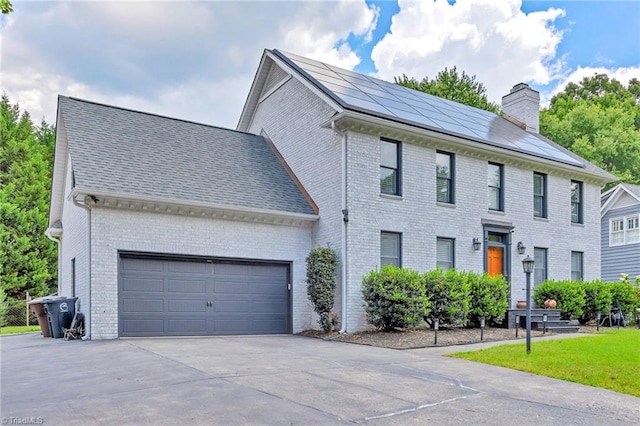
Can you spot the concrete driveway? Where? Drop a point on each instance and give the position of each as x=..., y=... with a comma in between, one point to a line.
x=280, y=380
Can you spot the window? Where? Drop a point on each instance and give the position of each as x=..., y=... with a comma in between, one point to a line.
x=624, y=230
x=576, y=202
x=494, y=183
x=576, y=266
x=539, y=195
x=73, y=277
x=444, y=176
x=390, y=243
x=389, y=167
x=633, y=230
x=444, y=253
x=540, y=265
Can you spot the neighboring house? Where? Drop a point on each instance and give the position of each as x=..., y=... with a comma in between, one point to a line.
x=174, y=228
x=620, y=214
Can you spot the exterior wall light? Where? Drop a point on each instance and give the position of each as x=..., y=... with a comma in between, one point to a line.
x=521, y=248
x=476, y=244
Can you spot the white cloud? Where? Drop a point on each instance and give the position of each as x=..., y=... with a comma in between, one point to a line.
x=192, y=60
x=494, y=40
x=622, y=74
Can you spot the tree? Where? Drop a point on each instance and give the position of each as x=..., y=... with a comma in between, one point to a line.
x=6, y=7
x=598, y=119
x=27, y=258
x=322, y=263
x=448, y=84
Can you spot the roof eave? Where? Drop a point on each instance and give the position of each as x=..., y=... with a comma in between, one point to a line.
x=159, y=203
x=616, y=193
x=402, y=130
x=61, y=153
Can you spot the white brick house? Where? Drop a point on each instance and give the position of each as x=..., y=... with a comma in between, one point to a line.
x=362, y=156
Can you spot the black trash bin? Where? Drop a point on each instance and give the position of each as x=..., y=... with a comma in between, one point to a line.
x=60, y=312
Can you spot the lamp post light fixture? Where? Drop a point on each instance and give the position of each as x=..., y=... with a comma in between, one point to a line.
x=544, y=323
x=482, y=322
x=521, y=248
x=598, y=317
x=517, y=324
x=436, y=325
x=527, y=265
x=476, y=244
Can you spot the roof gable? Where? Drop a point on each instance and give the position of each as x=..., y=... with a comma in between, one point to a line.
x=119, y=151
x=621, y=195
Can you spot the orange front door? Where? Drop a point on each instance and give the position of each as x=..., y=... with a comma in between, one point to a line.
x=494, y=260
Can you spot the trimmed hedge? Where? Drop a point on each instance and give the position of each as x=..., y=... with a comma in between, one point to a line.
x=488, y=297
x=569, y=295
x=322, y=263
x=450, y=295
x=394, y=298
x=598, y=297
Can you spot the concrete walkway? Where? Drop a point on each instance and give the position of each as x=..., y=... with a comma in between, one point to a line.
x=281, y=380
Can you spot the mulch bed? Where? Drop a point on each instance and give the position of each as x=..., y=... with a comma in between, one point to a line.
x=424, y=337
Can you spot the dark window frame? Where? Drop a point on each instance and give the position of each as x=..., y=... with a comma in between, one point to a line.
x=397, y=168
x=579, y=272
x=399, y=253
x=578, y=203
x=451, y=180
x=536, y=265
x=500, y=188
x=542, y=197
x=452, y=252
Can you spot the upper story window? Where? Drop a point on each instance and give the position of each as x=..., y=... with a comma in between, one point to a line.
x=445, y=253
x=495, y=180
x=540, y=265
x=576, y=202
x=444, y=176
x=576, y=266
x=389, y=167
x=539, y=195
x=390, y=249
x=624, y=230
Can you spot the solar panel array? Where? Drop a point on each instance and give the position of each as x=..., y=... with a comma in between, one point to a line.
x=373, y=96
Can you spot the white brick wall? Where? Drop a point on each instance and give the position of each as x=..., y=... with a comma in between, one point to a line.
x=292, y=117
x=74, y=245
x=118, y=229
x=420, y=220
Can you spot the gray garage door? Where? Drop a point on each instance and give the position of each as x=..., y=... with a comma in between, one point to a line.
x=173, y=297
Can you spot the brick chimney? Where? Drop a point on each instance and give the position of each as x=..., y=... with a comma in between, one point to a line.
x=523, y=104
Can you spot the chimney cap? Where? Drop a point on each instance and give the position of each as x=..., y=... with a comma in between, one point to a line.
x=520, y=86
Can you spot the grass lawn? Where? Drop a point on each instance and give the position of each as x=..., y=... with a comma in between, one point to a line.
x=19, y=329
x=609, y=360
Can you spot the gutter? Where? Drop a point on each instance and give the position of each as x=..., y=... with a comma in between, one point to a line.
x=56, y=239
x=345, y=220
x=84, y=205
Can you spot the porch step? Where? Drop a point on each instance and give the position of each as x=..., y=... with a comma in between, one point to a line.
x=563, y=329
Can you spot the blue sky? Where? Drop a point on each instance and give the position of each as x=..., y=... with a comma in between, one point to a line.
x=196, y=60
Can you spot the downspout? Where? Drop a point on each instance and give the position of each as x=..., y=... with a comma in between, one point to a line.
x=345, y=220
x=57, y=241
x=83, y=205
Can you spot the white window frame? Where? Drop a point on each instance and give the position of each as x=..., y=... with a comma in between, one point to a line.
x=625, y=231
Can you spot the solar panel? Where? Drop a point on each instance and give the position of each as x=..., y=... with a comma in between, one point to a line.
x=370, y=95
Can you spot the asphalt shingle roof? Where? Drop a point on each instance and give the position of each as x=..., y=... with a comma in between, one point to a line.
x=135, y=153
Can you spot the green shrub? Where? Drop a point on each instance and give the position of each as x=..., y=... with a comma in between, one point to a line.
x=449, y=293
x=488, y=297
x=598, y=297
x=4, y=307
x=624, y=296
x=394, y=298
x=569, y=295
x=322, y=263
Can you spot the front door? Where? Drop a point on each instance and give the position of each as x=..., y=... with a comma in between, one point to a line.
x=495, y=259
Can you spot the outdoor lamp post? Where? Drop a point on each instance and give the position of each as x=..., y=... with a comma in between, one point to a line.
x=436, y=325
x=544, y=323
x=598, y=317
x=517, y=324
x=527, y=265
x=482, y=322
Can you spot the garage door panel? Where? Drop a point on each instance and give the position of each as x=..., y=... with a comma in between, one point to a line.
x=187, y=286
x=147, y=265
x=170, y=297
x=187, y=326
x=186, y=305
x=143, y=305
x=187, y=267
x=143, y=284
